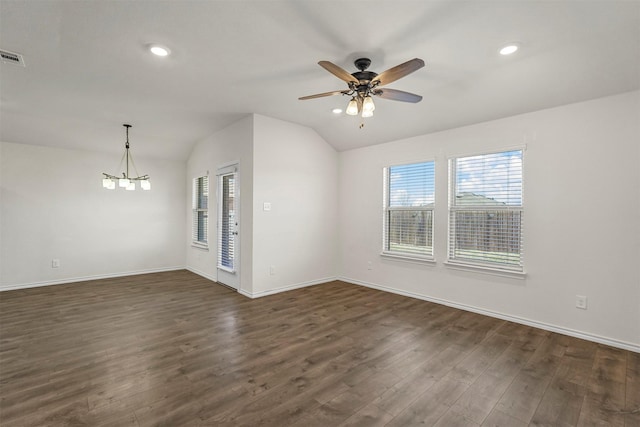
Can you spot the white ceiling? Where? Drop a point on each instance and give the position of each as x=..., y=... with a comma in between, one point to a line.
x=88, y=71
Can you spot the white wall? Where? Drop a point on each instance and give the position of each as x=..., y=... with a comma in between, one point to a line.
x=54, y=206
x=582, y=219
x=295, y=171
x=232, y=144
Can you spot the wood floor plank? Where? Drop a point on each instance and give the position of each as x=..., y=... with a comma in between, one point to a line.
x=477, y=402
x=562, y=402
x=369, y=416
x=483, y=356
x=523, y=396
x=632, y=406
x=176, y=349
x=604, y=402
x=349, y=402
x=498, y=418
x=432, y=404
x=455, y=419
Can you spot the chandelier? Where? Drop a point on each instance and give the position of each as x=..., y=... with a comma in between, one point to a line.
x=125, y=181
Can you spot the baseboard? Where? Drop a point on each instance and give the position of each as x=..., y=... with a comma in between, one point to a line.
x=202, y=273
x=533, y=323
x=286, y=288
x=86, y=278
x=245, y=293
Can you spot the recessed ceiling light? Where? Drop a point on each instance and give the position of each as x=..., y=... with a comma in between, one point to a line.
x=336, y=110
x=509, y=49
x=159, y=50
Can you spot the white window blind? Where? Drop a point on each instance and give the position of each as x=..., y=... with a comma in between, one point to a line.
x=408, y=210
x=227, y=222
x=200, y=225
x=486, y=210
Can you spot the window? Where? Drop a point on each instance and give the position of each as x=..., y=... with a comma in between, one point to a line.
x=200, y=227
x=486, y=210
x=408, y=210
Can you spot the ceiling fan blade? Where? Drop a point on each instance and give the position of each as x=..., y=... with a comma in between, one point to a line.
x=320, y=95
x=397, y=95
x=399, y=71
x=337, y=71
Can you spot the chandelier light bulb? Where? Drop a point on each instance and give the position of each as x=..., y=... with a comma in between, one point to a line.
x=367, y=105
x=123, y=182
x=366, y=114
x=352, y=108
x=108, y=183
x=131, y=186
x=145, y=185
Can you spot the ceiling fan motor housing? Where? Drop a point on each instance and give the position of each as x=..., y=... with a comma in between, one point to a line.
x=363, y=77
x=362, y=63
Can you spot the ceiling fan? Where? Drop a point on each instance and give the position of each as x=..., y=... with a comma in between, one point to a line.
x=362, y=84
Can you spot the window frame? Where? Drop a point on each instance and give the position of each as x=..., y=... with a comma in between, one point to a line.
x=511, y=270
x=197, y=209
x=387, y=209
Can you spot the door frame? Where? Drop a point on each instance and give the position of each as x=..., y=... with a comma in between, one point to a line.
x=225, y=276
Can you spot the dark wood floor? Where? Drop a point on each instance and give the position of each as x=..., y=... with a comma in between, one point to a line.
x=175, y=349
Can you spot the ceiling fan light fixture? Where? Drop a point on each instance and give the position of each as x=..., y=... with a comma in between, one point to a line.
x=352, y=107
x=368, y=105
x=363, y=84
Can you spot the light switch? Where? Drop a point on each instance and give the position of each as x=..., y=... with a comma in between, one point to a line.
x=266, y=206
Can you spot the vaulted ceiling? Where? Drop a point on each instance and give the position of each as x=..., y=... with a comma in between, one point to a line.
x=88, y=69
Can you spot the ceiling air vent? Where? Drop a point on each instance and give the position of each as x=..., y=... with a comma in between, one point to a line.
x=11, y=58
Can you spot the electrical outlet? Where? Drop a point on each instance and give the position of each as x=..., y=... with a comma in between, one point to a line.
x=581, y=302
x=55, y=263
x=272, y=270
x=369, y=265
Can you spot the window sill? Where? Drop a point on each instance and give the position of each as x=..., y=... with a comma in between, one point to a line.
x=514, y=274
x=199, y=246
x=227, y=269
x=408, y=258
